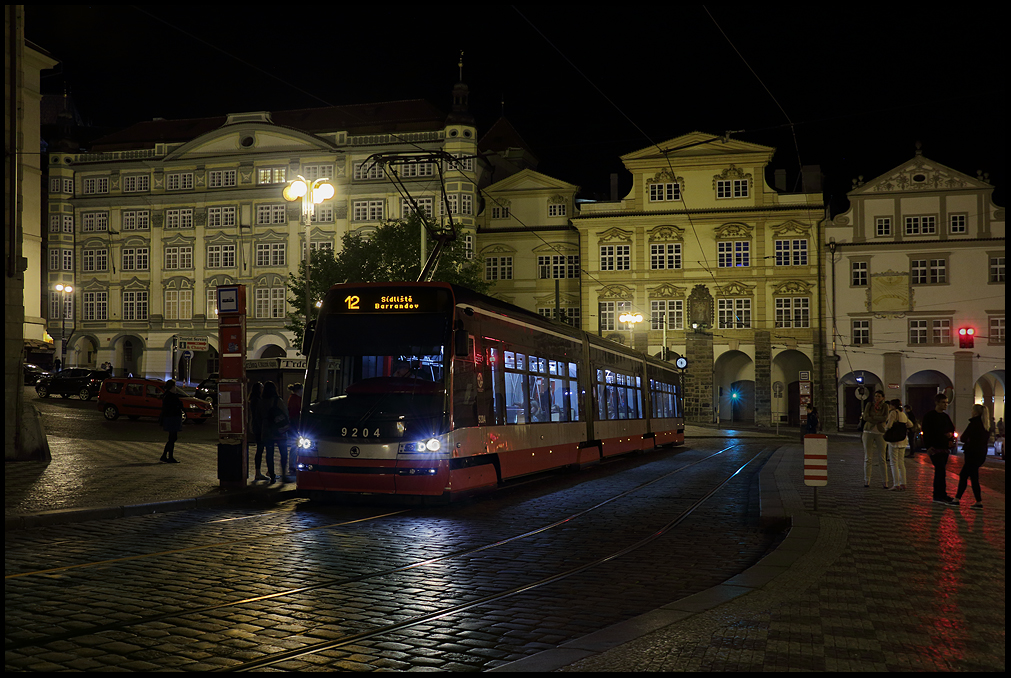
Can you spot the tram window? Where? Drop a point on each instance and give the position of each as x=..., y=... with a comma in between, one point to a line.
x=541, y=401
x=510, y=360
x=538, y=365
x=517, y=402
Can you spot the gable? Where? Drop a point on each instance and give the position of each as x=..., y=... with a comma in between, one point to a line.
x=530, y=180
x=249, y=137
x=919, y=174
x=698, y=145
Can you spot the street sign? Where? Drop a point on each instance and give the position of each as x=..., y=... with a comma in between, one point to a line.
x=188, y=354
x=192, y=343
x=816, y=460
x=862, y=393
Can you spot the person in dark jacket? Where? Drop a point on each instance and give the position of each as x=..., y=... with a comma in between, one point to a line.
x=255, y=393
x=811, y=425
x=172, y=415
x=294, y=414
x=939, y=439
x=272, y=417
x=975, y=440
x=912, y=430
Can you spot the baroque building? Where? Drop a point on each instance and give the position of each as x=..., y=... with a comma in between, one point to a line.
x=918, y=257
x=148, y=222
x=723, y=269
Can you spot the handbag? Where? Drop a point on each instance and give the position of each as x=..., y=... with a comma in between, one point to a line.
x=279, y=419
x=896, y=433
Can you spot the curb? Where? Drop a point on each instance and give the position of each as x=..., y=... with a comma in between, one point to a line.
x=804, y=531
x=65, y=516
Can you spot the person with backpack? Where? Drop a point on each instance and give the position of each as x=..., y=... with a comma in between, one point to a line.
x=273, y=421
x=896, y=430
x=874, y=417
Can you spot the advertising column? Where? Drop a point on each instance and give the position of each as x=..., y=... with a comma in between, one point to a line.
x=233, y=455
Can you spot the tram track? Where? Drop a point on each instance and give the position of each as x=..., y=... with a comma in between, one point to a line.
x=334, y=582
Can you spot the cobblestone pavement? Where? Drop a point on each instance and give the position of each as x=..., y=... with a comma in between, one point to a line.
x=872, y=581
x=118, y=605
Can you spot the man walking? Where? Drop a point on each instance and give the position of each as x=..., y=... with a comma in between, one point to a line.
x=873, y=438
x=939, y=439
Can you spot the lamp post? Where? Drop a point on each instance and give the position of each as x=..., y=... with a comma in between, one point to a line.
x=311, y=194
x=66, y=291
x=631, y=319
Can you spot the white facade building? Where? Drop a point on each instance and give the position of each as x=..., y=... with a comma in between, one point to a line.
x=919, y=255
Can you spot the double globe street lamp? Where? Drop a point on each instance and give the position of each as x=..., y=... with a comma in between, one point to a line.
x=66, y=293
x=311, y=194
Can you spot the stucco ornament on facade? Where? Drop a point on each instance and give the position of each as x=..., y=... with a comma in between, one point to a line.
x=733, y=230
x=614, y=235
x=889, y=295
x=732, y=172
x=665, y=176
x=666, y=233
x=666, y=291
x=791, y=228
x=736, y=289
x=616, y=292
x=792, y=287
x=701, y=307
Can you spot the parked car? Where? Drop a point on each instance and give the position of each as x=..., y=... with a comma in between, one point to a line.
x=208, y=389
x=33, y=373
x=78, y=381
x=138, y=397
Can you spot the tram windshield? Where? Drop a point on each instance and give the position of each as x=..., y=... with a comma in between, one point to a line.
x=378, y=373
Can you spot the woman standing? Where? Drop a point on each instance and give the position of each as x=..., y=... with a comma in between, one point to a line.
x=294, y=413
x=974, y=443
x=273, y=421
x=255, y=393
x=172, y=415
x=897, y=450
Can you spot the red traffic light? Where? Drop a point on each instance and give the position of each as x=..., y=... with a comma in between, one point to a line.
x=966, y=337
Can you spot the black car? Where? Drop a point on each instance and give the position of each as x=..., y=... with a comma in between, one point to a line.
x=208, y=389
x=78, y=381
x=33, y=373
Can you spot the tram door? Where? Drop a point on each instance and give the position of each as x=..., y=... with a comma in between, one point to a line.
x=491, y=385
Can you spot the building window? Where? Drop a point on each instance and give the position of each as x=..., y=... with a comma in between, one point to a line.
x=462, y=164
x=940, y=332
x=314, y=172
x=135, y=258
x=270, y=254
x=733, y=253
x=468, y=247
x=921, y=225
x=178, y=304
x=558, y=266
x=68, y=260
x=858, y=276
x=55, y=299
x=322, y=214
x=368, y=210
x=665, y=256
x=793, y=312
x=997, y=269
x=413, y=170
x=569, y=315
x=732, y=188
x=271, y=175
x=861, y=332
x=96, y=306
x=221, y=256
x=667, y=312
x=94, y=222
x=467, y=203
x=957, y=223
x=94, y=260
x=221, y=178
x=178, y=258
x=733, y=313
x=424, y=204
x=498, y=212
x=211, y=309
x=929, y=271
x=611, y=310
x=615, y=257
x=93, y=185
x=665, y=192
x=180, y=181
x=371, y=171
x=270, y=302
x=135, y=305
x=182, y=218
x=917, y=331
x=498, y=268
x=221, y=216
x=137, y=183
x=136, y=220
x=997, y=329
x=882, y=226
x=791, y=253
x=557, y=210
x=270, y=214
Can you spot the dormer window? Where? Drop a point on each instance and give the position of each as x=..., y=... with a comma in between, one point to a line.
x=732, y=188
x=664, y=192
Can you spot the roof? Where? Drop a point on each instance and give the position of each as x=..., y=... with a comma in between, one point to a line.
x=374, y=118
x=501, y=136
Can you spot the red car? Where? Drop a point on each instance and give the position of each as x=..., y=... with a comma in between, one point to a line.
x=138, y=397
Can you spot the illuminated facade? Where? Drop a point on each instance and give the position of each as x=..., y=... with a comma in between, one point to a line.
x=148, y=223
x=721, y=265
x=918, y=256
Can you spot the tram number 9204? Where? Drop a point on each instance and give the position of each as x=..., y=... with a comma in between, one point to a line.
x=358, y=432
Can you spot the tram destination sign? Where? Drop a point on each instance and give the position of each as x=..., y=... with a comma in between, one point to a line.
x=395, y=300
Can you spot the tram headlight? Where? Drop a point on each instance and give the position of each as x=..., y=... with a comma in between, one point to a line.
x=305, y=443
x=433, y=445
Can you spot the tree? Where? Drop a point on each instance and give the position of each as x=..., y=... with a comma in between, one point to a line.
x=392, y=253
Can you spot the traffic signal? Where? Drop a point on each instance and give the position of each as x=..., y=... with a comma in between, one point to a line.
x=966, y=337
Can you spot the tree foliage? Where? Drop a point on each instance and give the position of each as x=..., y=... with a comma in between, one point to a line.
x=392, y=253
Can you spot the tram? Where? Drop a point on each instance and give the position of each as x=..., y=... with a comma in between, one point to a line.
x=433, y=390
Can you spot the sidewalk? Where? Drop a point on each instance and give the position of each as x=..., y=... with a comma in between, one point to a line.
x=873, y=581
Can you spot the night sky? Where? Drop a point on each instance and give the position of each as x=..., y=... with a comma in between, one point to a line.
x=860, y=89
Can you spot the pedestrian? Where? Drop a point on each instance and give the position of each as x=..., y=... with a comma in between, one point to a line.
x=273, y=422
x=874, y=417
x=172, y=415
x=294, y=413
x=58, y=364
x=897, y=448
x=975, y=440
x=811, y=424
x=255, y=392
x=913, y=428
x=939, y=439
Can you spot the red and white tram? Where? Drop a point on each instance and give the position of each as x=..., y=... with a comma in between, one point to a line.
x=430, y=389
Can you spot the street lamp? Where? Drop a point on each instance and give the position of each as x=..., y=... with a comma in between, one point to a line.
x=631, y=319
x=66, y=291
x=311, y=194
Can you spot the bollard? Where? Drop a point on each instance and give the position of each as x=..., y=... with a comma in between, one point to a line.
x=816, y=462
